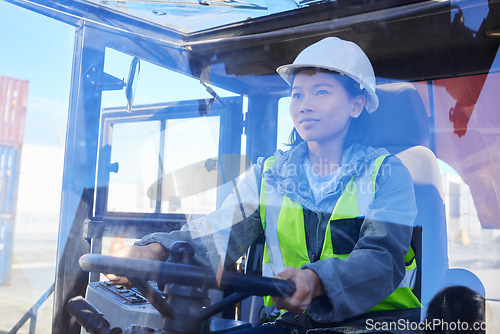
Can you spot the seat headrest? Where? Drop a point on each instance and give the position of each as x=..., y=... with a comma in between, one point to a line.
x=401, y=118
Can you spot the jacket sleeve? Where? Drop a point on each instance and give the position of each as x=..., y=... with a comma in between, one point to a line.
x=376, y=265
x=222, y=236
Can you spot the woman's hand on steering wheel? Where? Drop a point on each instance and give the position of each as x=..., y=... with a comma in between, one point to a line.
x=153, y=251
x=307, y=286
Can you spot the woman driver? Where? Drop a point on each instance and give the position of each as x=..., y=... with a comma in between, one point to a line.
x=337, y=214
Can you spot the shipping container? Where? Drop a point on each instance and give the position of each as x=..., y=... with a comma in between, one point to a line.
x=9, y=172
x=13, y=103
x=9, y=180
x=6, y=242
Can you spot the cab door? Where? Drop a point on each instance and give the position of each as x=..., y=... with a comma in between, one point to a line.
x=160, y=163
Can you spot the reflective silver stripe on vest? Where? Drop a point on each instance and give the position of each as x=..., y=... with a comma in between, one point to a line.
x=273, y=208
x=364, y=189
x=409, y=279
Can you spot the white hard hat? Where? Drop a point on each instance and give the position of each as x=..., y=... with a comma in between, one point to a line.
x=344, y=57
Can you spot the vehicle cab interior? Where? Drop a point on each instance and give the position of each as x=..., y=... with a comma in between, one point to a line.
x=172, y=101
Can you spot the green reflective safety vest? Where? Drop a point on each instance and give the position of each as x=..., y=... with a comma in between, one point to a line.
x=286, y=238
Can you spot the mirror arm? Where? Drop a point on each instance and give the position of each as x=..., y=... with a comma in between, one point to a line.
x=103, y=81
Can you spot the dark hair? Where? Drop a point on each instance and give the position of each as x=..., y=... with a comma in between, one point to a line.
x=360, y=129
x=456, y=303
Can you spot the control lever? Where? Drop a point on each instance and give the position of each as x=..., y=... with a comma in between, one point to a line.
x=180, y=252
x=89, y=317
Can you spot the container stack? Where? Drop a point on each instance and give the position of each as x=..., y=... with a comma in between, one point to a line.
x=13, y=102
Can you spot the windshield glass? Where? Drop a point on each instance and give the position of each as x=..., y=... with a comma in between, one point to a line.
x=192, y=16
x=122, y=119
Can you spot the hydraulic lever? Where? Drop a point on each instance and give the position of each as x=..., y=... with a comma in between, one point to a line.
x=89, y=317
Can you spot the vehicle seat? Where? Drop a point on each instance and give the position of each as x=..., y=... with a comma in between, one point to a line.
x=402, y=127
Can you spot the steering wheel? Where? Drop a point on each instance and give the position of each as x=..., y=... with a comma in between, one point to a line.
x=185, y=274
x=179, y=277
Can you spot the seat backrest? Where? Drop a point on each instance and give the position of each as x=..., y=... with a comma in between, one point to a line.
x=402, y=127
x=401, y=120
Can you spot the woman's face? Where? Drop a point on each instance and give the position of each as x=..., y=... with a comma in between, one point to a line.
x=321, y=108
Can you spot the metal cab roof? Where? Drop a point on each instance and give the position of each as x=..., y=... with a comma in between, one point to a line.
x=406, y=40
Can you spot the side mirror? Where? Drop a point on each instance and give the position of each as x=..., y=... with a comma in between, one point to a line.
x=135, y=68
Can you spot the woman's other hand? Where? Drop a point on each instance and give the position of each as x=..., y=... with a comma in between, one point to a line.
x=307, y=286
x=153, y=251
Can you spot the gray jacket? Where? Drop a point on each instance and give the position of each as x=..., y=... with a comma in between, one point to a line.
x=376, y=264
